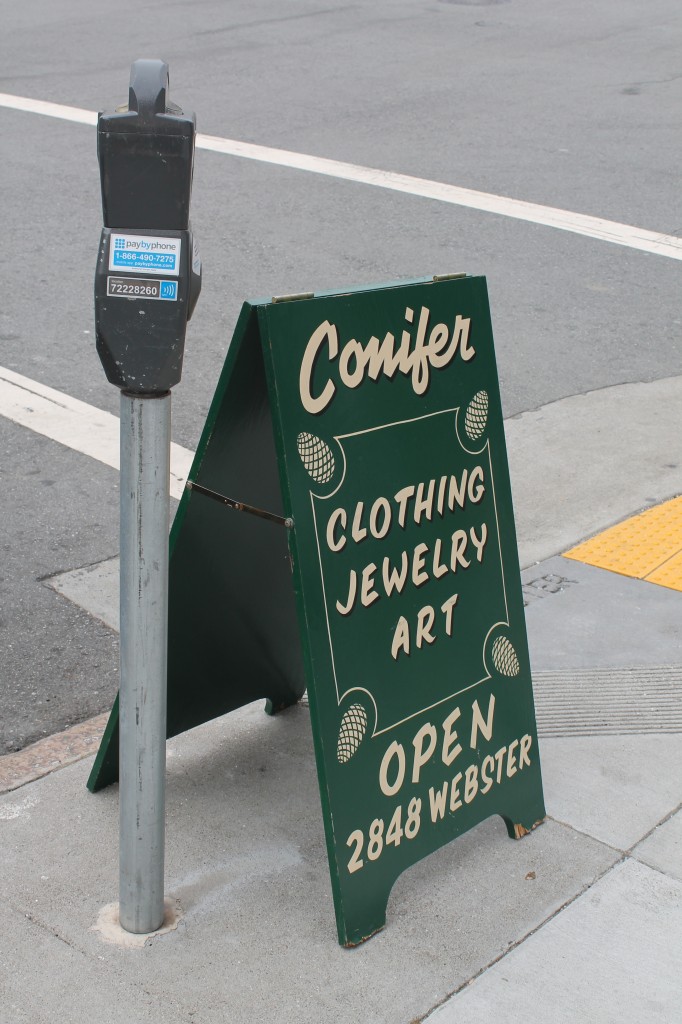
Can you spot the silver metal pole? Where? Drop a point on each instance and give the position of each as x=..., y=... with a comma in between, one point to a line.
x=145, y=478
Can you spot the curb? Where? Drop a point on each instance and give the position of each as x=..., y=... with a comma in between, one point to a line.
x=52, y=753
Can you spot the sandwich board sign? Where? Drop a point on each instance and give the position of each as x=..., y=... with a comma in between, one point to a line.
x=348, y=527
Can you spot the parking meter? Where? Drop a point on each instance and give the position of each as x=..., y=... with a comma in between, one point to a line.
x=147, y=283
x=148, y=274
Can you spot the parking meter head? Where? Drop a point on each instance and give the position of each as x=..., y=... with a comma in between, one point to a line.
x=146, y=155
x=148, y=273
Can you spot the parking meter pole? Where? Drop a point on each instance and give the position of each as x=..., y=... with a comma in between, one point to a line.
x=147, y=282
x=145, y=476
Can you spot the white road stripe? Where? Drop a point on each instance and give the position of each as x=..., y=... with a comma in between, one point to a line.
x=75, y=424
x=29, y=106
x=548, y=216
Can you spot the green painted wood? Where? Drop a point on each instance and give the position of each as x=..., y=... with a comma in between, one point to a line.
x=406, y=573
x=232, y=624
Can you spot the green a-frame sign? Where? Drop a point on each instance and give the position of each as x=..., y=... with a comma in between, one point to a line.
x=347, y=527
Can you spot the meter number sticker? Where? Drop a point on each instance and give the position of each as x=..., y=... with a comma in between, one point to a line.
x=142, y=288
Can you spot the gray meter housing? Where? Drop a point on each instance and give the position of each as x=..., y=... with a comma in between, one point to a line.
x=148, y=275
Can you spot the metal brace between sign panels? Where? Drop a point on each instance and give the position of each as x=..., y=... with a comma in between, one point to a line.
x=239, y=506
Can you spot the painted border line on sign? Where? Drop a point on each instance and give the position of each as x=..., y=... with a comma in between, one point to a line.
x=548, y=216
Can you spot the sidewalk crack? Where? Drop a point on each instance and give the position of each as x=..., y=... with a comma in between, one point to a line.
x=514, y=945
x=50, y=929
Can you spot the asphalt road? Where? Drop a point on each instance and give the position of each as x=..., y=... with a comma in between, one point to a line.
x=573, y=105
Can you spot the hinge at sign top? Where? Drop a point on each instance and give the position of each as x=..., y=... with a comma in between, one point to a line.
x=447, y=277
x=292, y=298
x=239, y=506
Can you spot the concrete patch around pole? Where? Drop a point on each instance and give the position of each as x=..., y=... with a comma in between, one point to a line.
x=109, y=929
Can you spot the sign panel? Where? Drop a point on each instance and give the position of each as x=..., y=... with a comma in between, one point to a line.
x=394, y=470
x=363, y=430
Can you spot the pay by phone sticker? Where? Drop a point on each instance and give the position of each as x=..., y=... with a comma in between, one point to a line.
x=151, y=254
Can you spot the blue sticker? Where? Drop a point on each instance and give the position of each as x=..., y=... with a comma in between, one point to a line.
x=151, y=254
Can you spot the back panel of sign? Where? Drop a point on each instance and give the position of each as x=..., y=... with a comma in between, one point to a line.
x=232, y=635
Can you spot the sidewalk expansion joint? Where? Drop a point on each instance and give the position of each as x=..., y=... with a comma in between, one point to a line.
x=586, y=835
x=518, y=942
x=651, y=831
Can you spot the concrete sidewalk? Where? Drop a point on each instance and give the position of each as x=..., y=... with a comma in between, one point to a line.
x=579, y=921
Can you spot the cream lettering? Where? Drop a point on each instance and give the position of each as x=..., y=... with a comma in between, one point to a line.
x=414, y=503
x=354, y=362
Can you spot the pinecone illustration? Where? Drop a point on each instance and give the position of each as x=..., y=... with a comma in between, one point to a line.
x=316, y=456
x=504, y=657
x=476, y=416
x=351, y=732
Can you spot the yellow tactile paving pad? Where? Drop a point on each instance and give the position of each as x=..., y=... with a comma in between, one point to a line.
x=647, y=546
